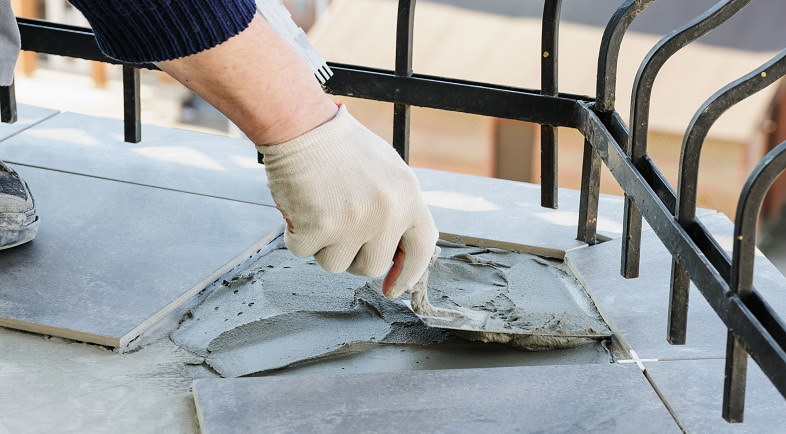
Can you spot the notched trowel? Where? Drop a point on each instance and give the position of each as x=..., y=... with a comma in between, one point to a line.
x=279, y=18
x=509, y=328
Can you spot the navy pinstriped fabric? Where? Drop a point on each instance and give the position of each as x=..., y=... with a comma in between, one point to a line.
x=139, y=31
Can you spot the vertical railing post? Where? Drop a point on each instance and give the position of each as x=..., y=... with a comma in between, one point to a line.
x=606, y=89
x=8, y=103
x=735, y=378
x=549, y=184
x=741, y=278
x=590, y=195
x=688, y=178
x=640, y=111
x=132, y=117
x=401, y=112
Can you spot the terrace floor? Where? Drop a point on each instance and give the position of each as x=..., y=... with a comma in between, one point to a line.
x=134, y=236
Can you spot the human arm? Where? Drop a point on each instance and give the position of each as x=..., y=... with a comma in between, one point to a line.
x=349, y=198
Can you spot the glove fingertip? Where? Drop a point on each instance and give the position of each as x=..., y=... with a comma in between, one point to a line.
x=390, y=286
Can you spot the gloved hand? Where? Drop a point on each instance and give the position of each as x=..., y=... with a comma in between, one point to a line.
x=352, y=202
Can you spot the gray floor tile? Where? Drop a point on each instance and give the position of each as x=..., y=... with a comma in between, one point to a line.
x=166, y=157
x=694, y=389
x=509, y=214
x=475, y=208
x=614, y=398
x=768, y=279
x=110, y=258
x=27, y=116
x=636, y=309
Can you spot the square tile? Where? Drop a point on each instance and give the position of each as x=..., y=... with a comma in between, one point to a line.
x=111, y=258
x=507, y=214
x=614, y=398
x=636, y=309
x=501, y=213
x=479, y=210
x=27, y=116
x=170, y=158
x=694, y=390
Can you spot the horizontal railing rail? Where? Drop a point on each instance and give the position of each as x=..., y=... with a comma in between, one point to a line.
x=753, y=327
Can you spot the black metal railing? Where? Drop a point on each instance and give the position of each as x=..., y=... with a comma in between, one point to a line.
x=727, y=283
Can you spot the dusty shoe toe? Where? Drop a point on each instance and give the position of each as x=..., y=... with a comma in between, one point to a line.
x=18, y=219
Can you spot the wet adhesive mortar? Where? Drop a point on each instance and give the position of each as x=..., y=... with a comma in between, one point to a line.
x=286, y=311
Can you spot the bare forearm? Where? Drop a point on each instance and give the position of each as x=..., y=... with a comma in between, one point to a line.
x=259, y=82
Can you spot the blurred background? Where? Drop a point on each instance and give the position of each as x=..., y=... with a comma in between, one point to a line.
x=495, y=41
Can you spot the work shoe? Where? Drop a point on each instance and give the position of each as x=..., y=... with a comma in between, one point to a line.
x=18, y=220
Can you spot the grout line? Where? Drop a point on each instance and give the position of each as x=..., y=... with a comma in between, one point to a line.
x=665, y=402
x=21, y=130
x=139, y=184
x=151, y=328
x=622, y=346
x=639, y=363
x=688, y=359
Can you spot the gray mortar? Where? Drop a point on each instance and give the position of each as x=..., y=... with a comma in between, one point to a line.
x=511, y=298
x=287, y=313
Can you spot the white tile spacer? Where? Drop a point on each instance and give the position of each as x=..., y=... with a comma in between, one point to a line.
x=636, y=360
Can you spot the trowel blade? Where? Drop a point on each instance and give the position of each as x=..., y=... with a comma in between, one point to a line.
x=483, y=322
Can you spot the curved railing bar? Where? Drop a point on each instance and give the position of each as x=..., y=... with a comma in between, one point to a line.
x=549, y=83
x=604, y=103
x=706, y=117
x=657, y=57
x=610, y=50
x=405, y=24
x=741, y=279
x=640, y=106
x=687, y=183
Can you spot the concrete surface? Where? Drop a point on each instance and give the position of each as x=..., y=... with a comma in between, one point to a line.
x=56, y=385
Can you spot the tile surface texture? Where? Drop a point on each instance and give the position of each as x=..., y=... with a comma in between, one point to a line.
x=27, y=116
x=590, y=398
x=694, y=390
x=166, y=157
x=478, y=209
x=636, y=308
x=507, y=214
x=111, y=257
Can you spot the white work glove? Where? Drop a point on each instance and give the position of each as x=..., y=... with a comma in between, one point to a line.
x=352, y=202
